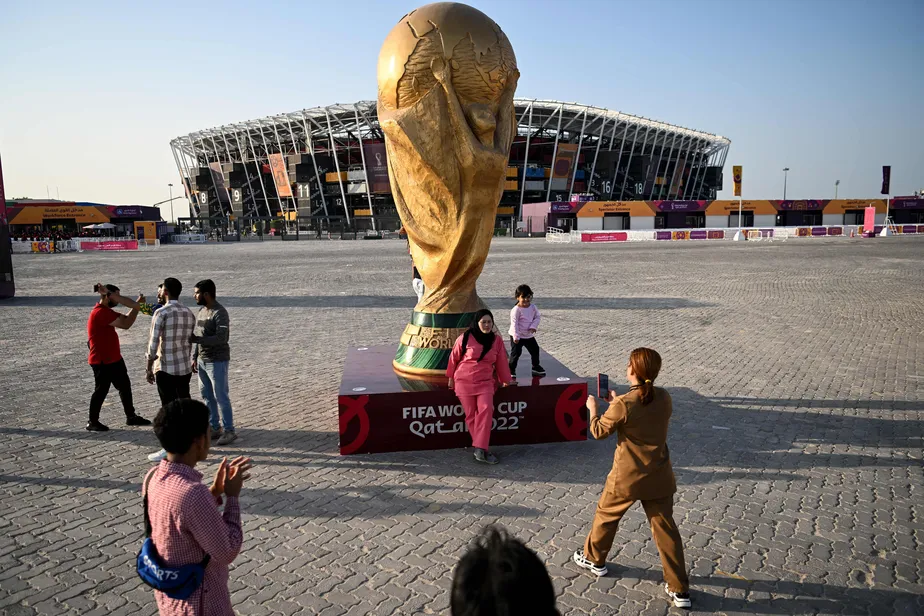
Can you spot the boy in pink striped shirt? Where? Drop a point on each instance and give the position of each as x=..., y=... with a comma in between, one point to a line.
x=524, y=322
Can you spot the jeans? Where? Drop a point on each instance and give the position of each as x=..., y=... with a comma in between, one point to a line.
x=213, y=385
x=106, y=375
x=172, y=387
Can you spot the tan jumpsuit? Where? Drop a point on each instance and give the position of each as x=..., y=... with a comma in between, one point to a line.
x=641, y=471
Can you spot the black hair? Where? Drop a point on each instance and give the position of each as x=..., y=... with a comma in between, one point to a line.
x=206, y=286
x=485, y=340
x=523, y=291
x=500, y=576
x=109, y=287
x=173, y=287
x=179, y=423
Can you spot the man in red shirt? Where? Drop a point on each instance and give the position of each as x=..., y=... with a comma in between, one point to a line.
x=105, y=356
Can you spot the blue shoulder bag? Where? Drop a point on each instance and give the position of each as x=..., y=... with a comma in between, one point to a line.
x=175, y=582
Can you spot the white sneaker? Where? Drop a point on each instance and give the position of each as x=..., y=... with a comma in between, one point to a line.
x=680, y=599
x=157, y=457
x=583, y=563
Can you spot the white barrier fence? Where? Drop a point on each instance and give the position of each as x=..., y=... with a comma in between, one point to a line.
x=82, y=244
x=766, y=234
x=188, y=238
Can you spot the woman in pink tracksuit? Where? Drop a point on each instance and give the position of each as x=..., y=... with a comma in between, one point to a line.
x=476, y=355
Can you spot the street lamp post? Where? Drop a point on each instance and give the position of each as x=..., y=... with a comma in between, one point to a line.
x=836, y=184
x=171, y=204
x=785, y=178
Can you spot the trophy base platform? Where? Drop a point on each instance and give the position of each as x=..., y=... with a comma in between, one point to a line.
x=381, y=410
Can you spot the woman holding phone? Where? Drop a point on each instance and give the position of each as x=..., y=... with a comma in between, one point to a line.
x=641, y=472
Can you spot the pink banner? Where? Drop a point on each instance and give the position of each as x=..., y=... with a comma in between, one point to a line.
x=869, y=218
x=620, y=236
x=114, y=245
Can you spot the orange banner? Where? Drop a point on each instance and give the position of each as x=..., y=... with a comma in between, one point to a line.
x=564, y=160
x=596, y=209
x=37, y=214
x=730, y=206
x=280, y=175
x=736, y=172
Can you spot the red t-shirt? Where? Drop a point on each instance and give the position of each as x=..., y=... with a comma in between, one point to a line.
x=104, y=341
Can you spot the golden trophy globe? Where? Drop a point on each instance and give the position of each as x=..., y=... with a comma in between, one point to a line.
x=446, y=79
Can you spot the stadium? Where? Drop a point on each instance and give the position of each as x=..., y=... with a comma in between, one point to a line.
x=329, y=163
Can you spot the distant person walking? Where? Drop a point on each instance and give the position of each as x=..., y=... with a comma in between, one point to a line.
x=105, y=357
x=211, y=357
x=477, y=363
x=169, y=349
x=641, y=471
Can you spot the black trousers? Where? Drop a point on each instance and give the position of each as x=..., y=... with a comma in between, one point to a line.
x=172, y=387
x=106, y=375
x=516, y=349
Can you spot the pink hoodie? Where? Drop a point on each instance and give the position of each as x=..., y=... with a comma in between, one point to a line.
x=522, y=320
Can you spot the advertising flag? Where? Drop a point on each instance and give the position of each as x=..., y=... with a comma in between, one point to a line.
x=736, y=172
x=280, y=175
x=886, y=177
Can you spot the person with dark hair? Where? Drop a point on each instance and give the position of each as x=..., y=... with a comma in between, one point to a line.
x=477, y=362
x=641, y=471
x=186, y=525
x=211, y=357
x=169, y=349
x=500, y=575
x=105, y=357
x=524, y=322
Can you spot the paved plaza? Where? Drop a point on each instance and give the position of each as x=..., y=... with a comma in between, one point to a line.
x=797, y=372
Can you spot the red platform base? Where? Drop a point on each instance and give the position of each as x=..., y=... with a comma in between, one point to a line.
x=381, y=411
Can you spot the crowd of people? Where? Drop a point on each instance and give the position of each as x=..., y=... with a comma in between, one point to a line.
x=194, y=531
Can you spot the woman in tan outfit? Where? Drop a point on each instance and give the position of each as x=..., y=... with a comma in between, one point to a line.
x=641, y=472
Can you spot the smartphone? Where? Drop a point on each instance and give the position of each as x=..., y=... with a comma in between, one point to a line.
x=603, y=386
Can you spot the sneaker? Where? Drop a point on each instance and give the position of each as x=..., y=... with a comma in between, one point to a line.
x=137, y=420
x=227, y=437
x=216, y=434
x=538, y=371
x=158, y=456
x=484, y=457
x=95, y=426
x=680, y=599
x=583, y=563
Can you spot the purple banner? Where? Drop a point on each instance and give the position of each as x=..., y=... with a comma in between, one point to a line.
x=801, y=205
x=377, y=167
x=699, y=234
x=835, y=231
x=126, y=212
x=563, y=207
x=679, y=206
x=909, y=229
x=819, y=231
x=662, y=235
x=907, y=203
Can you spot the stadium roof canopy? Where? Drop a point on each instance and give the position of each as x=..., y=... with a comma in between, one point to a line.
x=348, y=121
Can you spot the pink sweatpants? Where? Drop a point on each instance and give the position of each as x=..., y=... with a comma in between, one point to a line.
x=479, y=414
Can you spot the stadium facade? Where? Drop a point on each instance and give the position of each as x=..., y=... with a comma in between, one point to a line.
x=331, y=161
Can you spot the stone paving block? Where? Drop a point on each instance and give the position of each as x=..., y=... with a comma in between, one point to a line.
x=809, y=352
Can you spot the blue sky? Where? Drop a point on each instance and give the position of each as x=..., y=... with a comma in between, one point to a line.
x=92, y=92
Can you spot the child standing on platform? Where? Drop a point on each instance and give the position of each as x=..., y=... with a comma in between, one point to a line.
x=524, y=322
x=476, y=355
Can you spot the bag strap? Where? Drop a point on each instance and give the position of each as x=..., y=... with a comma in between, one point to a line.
x=144, y=492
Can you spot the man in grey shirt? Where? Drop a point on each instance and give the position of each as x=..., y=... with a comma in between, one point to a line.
x=210, y=359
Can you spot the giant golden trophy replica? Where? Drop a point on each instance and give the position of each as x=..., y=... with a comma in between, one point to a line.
x=446, y=75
